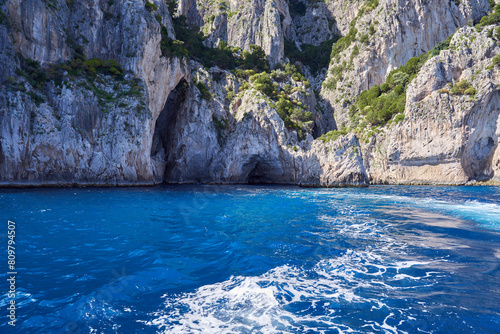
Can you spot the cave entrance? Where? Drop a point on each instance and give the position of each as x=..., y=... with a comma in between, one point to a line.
x=260, y=174
x=164, y=134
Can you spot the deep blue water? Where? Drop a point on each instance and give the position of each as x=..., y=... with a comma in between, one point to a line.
x=244, y=259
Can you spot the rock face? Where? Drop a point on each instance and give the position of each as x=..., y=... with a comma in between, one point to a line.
x=155, y=116
x=242, y=23
x=246, y=141
x=387, y=36
x=446, y=138
x=76, y=137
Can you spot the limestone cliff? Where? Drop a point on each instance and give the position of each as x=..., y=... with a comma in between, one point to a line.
x=98, y=92
x=448, y=136
x=242, y=23
x=384, y=35
x=82, y=131
x=244, y=140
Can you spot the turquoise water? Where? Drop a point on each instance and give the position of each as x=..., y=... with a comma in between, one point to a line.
x=250, y=259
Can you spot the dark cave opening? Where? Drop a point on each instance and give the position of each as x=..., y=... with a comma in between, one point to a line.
x=259, y=174
x=316, y=132
x=483, y=151
x=164, y=134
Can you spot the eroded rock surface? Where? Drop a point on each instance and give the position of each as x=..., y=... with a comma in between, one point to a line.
x=168, y=118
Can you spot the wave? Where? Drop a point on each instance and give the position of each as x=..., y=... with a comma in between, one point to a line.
x=325, y=298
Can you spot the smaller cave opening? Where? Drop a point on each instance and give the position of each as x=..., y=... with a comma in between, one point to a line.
x=259, y=174
x=491, y=143
x=480, y=159
x=164, y=133
x=317, y=131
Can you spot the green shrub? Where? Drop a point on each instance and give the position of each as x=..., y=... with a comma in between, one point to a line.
x=293, y=117
x=399, y=118
x=364, y=39
x=151, y=7
x=315, y=57
x=354, y=53
x=400, y=78
x=379, y=104
x=463, y=87
x=263, y=83
x=220, y=125
x=87, y=67
x=496, y=60
x=371, y=30
x=190, y=44
x=172, y=7
x=496, y=35
x=169, y=47
x=284, y=107
x=255, y=59
x=230, y=95
x=371, y=4
x=385, y=87
x=205, y=93
x=344, y=42
x=245, y=86
x=398, y=89
x=492, y=18
x=333, y=135
x=244, y=74
x=377, y=108
x=36, y=98
x=293, y=72
x=470, y=91
x=32, y=72
x=330, y=83
x=440, y=46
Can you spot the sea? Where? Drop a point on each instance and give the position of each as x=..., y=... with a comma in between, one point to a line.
x=250, y=259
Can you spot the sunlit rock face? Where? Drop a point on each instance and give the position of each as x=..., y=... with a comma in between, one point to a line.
x=446, y=138
x=154, y=123
x=75, y=137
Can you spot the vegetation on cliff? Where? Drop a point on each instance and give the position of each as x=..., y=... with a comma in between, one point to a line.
x=380, y=104
x=312, y=56
x=283, y=86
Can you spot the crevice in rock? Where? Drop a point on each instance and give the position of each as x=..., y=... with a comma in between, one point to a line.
x=164, y=134
x=316, y=132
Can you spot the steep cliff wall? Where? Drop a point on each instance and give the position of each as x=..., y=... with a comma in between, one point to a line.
x=384, y=35
x=448, y=136
x=94, y=129
x=103, y=92
x=244, y=140
x=65, y=120
x=242, y=23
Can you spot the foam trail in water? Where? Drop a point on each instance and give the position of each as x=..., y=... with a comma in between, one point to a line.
x=289, y=299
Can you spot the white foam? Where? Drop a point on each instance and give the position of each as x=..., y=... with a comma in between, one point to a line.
x=283, y=299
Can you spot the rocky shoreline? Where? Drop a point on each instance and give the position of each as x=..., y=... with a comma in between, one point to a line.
x=112, y=93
